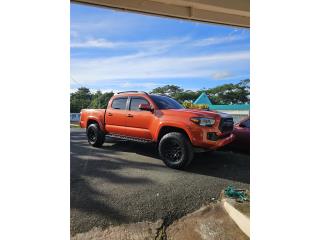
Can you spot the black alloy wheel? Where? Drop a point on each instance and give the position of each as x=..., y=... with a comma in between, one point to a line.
x=92, y=137
x=175, y=150
x=95, y=135
x=172, y=150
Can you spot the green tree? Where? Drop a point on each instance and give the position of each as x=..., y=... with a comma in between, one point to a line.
x=225, y=94
x=83, y=98
x=80, y=99
x=170, y=90
x=100, y=100
x=177, y=93
x=187, y=95
x=230, y=93
x=95, y=103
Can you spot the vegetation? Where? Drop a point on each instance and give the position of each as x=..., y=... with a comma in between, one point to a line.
x=225, y=94
x=177, y=93
x=83, y=98
x=230, y=93
x=238, y=93
x=188, y=104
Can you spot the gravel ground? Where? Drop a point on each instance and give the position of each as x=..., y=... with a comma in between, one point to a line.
x=125, y=182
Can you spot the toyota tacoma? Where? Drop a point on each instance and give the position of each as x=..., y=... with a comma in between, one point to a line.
x=143, y=117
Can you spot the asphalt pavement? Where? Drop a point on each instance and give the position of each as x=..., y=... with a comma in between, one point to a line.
x=125, y=182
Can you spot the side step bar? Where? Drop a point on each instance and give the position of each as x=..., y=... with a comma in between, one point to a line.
x=141, y=140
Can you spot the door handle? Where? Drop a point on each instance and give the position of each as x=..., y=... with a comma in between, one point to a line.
x=130, y=115
x=109, y=114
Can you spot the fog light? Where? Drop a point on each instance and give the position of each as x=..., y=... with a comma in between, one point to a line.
x=212, y=136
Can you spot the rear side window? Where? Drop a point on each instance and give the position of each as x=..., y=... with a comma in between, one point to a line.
x=135, y=102
x=119, y=103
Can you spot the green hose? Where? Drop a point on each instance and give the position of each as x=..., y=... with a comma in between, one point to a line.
x=239, y=195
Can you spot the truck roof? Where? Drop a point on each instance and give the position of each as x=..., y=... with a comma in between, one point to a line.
x=133, y=92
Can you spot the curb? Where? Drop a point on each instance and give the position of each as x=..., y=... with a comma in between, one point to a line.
x=239, y=218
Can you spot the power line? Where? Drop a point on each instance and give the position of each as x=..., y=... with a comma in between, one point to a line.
x=75, y=81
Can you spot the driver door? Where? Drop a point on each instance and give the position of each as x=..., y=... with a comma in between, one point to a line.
x=139, y=122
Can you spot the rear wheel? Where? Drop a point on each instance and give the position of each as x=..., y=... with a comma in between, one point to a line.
x=175, y=150
x=95, y=135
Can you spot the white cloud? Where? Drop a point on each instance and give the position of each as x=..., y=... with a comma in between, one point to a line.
x=74, y=33
x=158, y=43
x=104, y=43
x=142, y=84
x=145, y=65
x=217, y=40
x=219, y=75
x=93, y=43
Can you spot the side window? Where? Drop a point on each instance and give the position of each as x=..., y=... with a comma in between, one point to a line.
x=119, y=103
x=135, y=102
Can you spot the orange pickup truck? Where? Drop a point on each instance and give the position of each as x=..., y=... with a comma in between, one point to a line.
x=143, y=117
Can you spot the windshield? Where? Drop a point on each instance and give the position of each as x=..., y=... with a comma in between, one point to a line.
x=164, y=102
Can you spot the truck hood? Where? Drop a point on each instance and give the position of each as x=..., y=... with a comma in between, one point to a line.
x=197, y=112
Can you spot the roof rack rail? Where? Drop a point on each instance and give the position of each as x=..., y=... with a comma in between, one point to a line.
x=133, y=92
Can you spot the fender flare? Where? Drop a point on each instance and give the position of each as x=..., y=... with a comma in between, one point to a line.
x=175, y=125
x=93, y=118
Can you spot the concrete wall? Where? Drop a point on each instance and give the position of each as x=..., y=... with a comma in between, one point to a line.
x=237, y=115
x=236, y=112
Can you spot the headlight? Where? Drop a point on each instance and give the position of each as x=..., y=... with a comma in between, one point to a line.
x=206, y=122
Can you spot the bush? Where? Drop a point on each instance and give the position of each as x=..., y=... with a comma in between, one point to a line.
x=195, y=106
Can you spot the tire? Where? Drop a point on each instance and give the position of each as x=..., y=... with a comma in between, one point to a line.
x=175, y=150
x=95, y=135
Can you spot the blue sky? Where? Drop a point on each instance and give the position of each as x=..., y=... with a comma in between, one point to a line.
x=119, y=51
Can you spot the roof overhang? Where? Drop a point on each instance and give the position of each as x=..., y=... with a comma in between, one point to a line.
x=228, y=12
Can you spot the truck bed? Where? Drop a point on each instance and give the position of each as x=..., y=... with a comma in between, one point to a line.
x=96, y=114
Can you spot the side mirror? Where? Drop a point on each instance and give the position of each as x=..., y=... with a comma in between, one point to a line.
x=145, y=107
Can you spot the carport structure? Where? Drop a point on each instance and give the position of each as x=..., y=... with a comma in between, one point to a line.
x=227, y=12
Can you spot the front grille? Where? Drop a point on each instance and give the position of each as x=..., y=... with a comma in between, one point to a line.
x=226, y=125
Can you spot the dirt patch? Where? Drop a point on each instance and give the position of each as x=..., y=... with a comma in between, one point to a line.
x=135, y=231
x=210, y=222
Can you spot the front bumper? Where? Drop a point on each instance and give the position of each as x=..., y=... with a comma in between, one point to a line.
x=210, y=138
x=224, y=141
x=209, y=144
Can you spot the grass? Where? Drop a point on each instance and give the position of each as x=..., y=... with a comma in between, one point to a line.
x=74, y=125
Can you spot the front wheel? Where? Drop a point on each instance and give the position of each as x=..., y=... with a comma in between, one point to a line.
x=175, y=150
x=95, y=135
